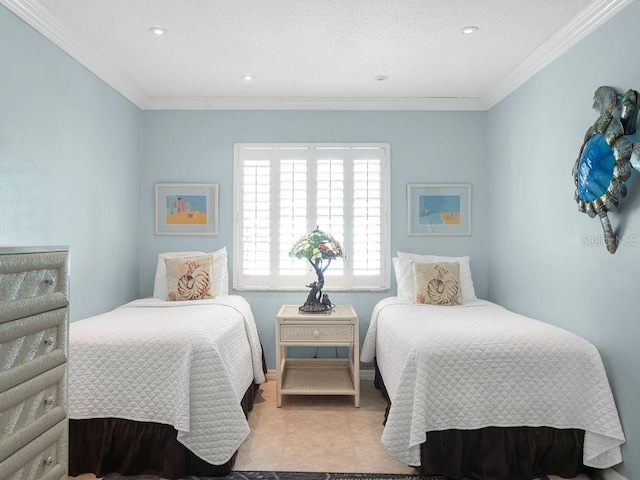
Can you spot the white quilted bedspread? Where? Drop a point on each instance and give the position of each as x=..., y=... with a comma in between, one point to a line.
x=478, y=365
x=186, y=364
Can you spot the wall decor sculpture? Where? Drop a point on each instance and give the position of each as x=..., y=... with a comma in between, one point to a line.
x=606, y=158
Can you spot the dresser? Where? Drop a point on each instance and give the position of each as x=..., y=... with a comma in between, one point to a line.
x=34, y=319
x=317, y=376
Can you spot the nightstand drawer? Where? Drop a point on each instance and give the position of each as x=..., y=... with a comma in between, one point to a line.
x=316, y=333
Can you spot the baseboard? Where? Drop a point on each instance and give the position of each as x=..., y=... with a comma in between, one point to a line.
x=365, y=374
x=608, y=474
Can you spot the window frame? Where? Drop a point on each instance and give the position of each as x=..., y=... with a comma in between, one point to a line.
x=297, y=282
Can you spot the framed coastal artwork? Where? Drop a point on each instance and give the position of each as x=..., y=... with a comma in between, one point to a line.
x=438, y=209
x=186, y=209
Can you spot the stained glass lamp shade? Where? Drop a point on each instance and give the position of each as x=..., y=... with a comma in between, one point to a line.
x=319, y=248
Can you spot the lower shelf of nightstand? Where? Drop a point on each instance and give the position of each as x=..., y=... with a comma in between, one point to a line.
x=317, y=377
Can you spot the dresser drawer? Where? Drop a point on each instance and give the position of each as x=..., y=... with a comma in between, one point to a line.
x=43, y=458
x=316, y=333
x=30, y=275
x=28, y=338
x=30, y=409
x=31, y=346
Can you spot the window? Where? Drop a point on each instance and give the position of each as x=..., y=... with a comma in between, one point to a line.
x=283, y=191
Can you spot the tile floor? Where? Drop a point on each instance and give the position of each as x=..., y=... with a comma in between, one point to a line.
x=317, y=434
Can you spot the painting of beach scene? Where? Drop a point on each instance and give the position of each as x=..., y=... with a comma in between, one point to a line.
x=187, y=209
x=438, y=209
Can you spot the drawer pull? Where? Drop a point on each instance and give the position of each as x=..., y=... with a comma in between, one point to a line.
x=50, y=280
x=316, y=333
x=49, y=400
x=49, y=461
x=49, y=341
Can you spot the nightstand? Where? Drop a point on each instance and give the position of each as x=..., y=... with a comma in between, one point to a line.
x=317, y=376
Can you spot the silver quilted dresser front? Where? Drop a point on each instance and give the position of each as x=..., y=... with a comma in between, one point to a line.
x=34, y=319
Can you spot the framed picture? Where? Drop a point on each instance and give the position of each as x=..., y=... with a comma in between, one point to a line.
x=186, y=209
x=438, y=209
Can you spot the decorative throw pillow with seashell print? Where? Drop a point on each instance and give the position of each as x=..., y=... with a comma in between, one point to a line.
x=189, y=278
x=436, y=283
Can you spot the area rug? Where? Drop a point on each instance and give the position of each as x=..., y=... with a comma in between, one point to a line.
x=299, y=476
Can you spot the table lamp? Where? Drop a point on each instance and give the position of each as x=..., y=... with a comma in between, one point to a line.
x=319, y=248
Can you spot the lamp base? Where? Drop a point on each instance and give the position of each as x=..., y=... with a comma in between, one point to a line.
x=317, y=302
x=315, y=308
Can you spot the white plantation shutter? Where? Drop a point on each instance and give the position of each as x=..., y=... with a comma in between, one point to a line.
x=256, y=217
x=283, y=191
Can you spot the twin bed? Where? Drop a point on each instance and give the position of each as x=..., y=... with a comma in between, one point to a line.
x=474, y=390
x=478, y=391
x=454, y=374
x=163, y=387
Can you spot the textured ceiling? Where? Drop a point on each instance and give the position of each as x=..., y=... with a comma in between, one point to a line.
x=315, y=53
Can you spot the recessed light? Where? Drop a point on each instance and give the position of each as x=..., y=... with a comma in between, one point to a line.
x=469, y=30
x=247, y=77
x=158, y=31
x=381, y=78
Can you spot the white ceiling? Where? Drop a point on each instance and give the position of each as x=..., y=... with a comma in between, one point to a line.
x=315, y=54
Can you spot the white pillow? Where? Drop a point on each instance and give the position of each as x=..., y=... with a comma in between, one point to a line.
x=404, y=273
x=404, y=276
x=219, y=277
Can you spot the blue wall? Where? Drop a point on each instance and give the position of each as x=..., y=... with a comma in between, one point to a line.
x=69, y=168
x=197, y=146
x=542, y=261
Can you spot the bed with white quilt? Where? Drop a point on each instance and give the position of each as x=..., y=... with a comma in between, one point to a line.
x=478, y=391
x=162, y=387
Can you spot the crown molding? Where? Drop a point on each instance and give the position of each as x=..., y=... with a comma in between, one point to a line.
x=579, y=27
x=41, y=19
x=311, y=103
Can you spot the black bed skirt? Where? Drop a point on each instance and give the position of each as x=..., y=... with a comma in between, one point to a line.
x=115, y=445
x=499, y=453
